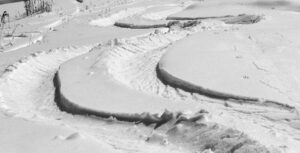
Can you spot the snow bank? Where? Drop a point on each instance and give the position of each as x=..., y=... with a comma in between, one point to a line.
x=65, y=104
x=175, y=82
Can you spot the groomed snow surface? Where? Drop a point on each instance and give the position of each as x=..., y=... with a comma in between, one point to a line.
x=152, y=76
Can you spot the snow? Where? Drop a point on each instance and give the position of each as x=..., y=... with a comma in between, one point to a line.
x=27, y=93
x=135, y=68
x=17, y=135
x=90, y=68
x=73, y=81
x=158, y=15
x=107, y=21
x=18, y=101
x=250, y=69
x=206, y=62
x=15, y=9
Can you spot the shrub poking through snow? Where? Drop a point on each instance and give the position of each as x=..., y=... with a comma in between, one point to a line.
x=4, y=18
x=38, y=6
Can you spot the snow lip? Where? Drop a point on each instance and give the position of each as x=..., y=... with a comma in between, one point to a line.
x=134, y=26
x=175, y=82
x=228, y=19
x=169, y=24
x=66, y=105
